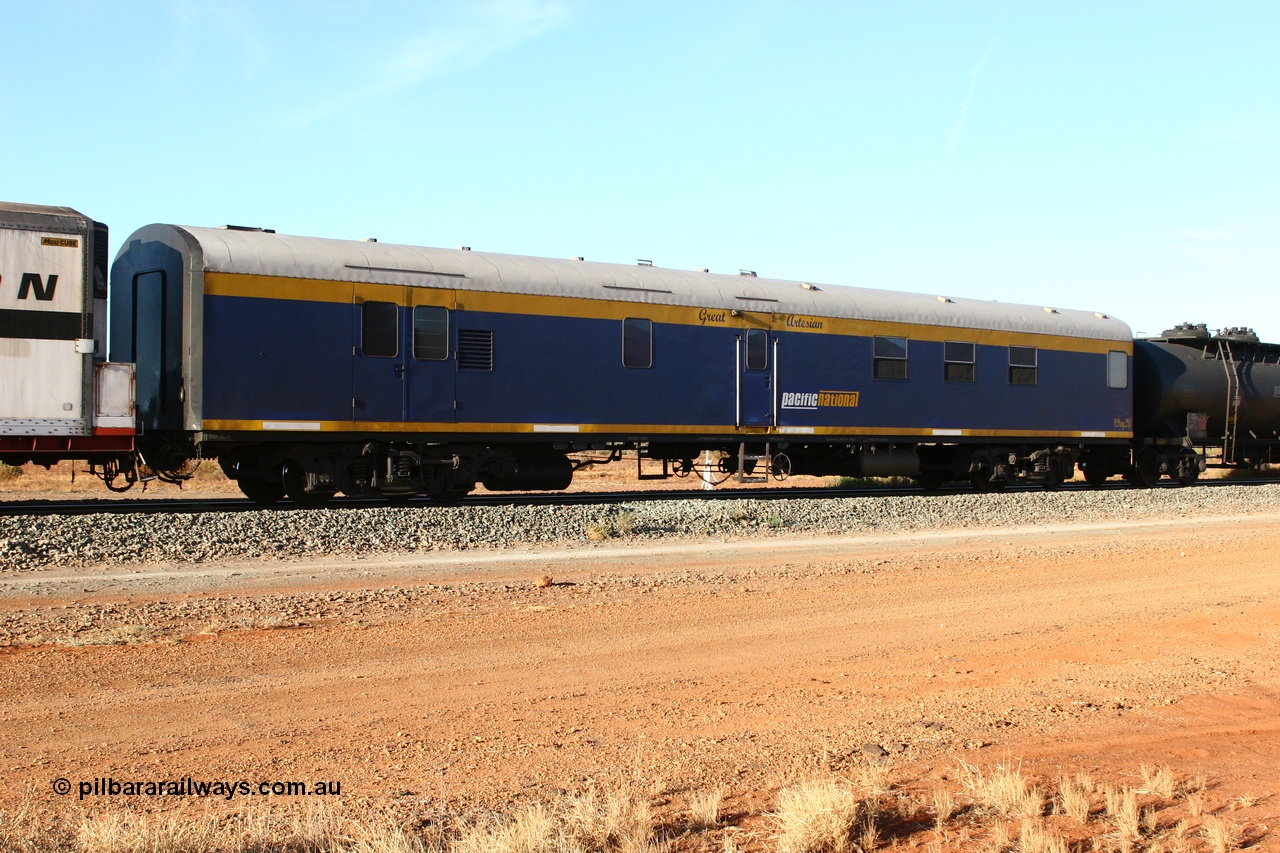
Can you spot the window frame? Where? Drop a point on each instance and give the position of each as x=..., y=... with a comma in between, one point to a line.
x=885, y=366
x=757, y=364
x=950, y=360
x=1021, y=373
x=1120, y=366
x=636, y=324
x=442, y=337
x=366, y=327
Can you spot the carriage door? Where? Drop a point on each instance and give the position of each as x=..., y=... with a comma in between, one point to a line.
x=378, y=392
x=430, y=375
x=756, y=371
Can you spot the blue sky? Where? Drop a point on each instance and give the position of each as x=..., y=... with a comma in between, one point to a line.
x=1113, y=156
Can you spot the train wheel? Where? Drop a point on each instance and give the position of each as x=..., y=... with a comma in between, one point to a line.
x=1056, y=470
x=294, y=478
x=449, y=497
x=982, y=482
x=1095, y=474
x=261, y=492
x=1146, y=470
x=1188, y=467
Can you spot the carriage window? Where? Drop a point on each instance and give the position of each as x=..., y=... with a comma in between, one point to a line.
x=379, y=329
x=890, y=360
x=430, y=333
x=1023, y=362
x=637, y=342
x=757, y=349
x=1117, y=369
x=958, y=359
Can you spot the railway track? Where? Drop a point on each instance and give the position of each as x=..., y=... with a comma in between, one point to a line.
x=143, y=506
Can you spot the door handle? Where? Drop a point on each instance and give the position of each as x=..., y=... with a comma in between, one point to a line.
x=399, y=370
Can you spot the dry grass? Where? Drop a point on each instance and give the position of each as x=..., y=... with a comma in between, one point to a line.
x=817, y=816
x=1122, y=808
x=1035, y=837
x=1158, y=781
x=600, y=531
x=999, y=840
x=704, y=808
x=868, y=832
x=384, y=838
x=1002, y=790
x=532, y=830
x=131, y=833
x=944, y=806
x=1073, y=798
x=24, y=830
x=589, y=823
x=623, y=523
x=592, y=822
x=9, y=472
x=1191, y=786
x=618, y=820
x=872, y=780
x=826, y=813
x=1221, y=835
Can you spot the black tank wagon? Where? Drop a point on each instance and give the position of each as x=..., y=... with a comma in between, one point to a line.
x=1198, y=395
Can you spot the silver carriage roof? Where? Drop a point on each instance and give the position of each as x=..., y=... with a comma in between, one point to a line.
x=256, y=252
x=17, y=212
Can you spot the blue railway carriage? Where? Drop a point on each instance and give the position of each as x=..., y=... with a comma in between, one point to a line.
x=311, y=366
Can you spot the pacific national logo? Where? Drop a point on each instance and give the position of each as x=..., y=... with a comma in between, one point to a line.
x=33, y=284
x=819, y=399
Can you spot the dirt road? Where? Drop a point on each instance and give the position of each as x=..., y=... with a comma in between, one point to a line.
x=481, y=679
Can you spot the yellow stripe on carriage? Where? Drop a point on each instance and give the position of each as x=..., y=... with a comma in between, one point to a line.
x=638, y=431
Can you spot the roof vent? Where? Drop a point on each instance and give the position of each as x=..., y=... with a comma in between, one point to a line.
x=464, y=248
x=1048, y=310
x=807, y=286
x=751, y=273
x=370, y=240
x=704, y=269
x=1100, y=315
x=644, y=262
x=945, y=299
x=246, y=228
x=577, y=257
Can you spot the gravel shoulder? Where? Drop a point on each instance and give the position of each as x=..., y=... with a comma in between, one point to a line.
x=32, y=543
